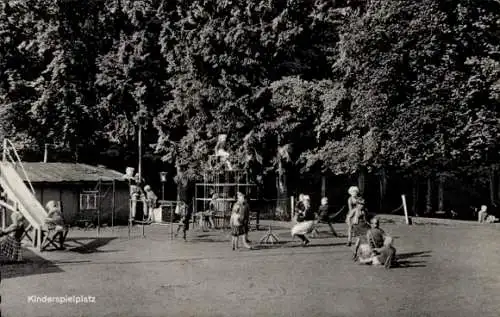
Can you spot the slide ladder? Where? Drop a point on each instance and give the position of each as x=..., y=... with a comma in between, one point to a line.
x=21, y=193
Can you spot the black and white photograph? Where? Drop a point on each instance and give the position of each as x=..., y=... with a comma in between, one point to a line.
x=237, y=158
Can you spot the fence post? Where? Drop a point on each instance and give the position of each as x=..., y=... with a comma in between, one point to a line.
x=403, y=197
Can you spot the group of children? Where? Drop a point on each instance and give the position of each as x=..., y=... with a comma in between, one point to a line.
x=148, y=199
x=483, y=216
x=372, y=244
x=306, y=218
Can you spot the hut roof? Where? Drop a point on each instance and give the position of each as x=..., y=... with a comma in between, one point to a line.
x=67, y=173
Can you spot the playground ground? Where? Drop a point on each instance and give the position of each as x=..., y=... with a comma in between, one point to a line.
x=446, y=270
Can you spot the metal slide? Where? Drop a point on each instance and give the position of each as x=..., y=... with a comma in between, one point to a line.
x=22, y=196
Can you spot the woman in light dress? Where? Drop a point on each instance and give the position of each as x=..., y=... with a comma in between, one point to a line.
x=356, y=217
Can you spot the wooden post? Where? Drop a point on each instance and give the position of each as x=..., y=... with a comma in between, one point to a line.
x=292, y=214
x=4, y=154
x=46, y=153
x=113, y=206
x=129, y=217
x=99, y=185
x=3, y=218
x=139, y=170
x=143, y=235
x=403, y=197
x=172, y=223
x=39, y=239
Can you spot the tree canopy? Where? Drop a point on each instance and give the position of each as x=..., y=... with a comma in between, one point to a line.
x=337, y=86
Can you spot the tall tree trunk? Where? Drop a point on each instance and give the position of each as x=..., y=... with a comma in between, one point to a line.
x=415, y=190
x=428, y=206
x=492, y=186
x=281, y=189
x=441, y=193
x=383, y=188
x=323, y=186
x=362, y=180
x=498, y=185
x=181, y=185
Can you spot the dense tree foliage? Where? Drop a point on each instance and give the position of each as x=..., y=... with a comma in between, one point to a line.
x=342, y=87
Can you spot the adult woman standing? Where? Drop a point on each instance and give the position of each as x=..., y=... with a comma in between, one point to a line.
x=10, y=242
x=356, y=217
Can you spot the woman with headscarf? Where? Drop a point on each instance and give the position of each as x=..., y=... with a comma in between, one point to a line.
x=10, y=240
x=356, y=217
x=305, y=221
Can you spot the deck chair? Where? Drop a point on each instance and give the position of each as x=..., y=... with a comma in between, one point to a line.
x=29, y=235
x=54, y=236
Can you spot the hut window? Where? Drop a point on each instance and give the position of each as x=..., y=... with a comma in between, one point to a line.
x=88, y=200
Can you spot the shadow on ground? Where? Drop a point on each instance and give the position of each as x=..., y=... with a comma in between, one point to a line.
x=32, y=264
x=292, y=244
x=403, y=259
x=91, y=247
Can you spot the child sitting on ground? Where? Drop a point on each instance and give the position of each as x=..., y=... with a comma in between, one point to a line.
x=386, y=255
x=482, y=214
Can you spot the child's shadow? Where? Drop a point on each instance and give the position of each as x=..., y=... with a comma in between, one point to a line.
x=402, y=260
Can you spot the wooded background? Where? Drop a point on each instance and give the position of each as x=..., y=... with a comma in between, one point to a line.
x=399, y=96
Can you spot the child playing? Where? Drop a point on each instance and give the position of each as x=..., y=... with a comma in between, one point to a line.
x=10, y=239
x=482, y=214
x=55, y=221
x=325, y=215
x=386, y=255
x=182, y=211
x=237, y=229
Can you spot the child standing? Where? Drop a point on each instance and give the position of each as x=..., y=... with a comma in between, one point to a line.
x=237, y=229
x=182, y=211
x=325, y=215
x=10, y=241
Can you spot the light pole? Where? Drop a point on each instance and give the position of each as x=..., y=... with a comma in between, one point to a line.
x=163, y=179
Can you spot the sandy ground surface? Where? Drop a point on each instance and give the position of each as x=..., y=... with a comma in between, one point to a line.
x=446, y=270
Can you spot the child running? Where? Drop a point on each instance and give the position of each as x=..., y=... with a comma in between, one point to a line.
x=325, y=215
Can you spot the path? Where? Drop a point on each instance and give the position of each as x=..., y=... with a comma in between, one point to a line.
x=447, y=271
